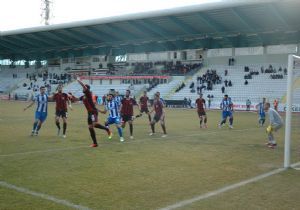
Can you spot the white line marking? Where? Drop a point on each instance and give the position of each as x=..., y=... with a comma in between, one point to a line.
x=42, y=195
x=43, y=151
x=224, y=189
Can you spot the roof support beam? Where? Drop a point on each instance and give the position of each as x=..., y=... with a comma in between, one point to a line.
x=276, y=12
x=212, y=24
x=67, y=34
x=41, y=41
x=53, y=36
x=19, y=42
x=107, y=37
x=244, y=21
x=122, y=32
x=186, y=28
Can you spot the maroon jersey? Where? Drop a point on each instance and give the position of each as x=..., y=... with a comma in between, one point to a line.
x=200, y=104
x=127, y=106
x=158, y=107
x=61, y=100
x=144, y=102
x=87, y=100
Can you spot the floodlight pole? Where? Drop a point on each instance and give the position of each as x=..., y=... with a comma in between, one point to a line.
x=288, y=113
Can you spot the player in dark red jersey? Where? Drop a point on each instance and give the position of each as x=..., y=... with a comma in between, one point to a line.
x=158, y=116
x=144, y=106
x=201, y=107
x=61, y=109
x=90, y=106
x=126, y=108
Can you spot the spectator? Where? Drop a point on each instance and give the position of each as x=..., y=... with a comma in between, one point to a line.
x=229, y=83
x=223, y=89
x=248, y=104
x=246, y=82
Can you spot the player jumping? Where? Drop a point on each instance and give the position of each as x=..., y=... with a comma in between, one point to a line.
x=90, y=106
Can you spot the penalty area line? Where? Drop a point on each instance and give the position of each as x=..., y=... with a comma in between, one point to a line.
x=225, y=189
x=42, y=195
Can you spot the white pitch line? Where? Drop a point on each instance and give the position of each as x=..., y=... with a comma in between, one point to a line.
x=225, y=189
x=43, y=196
x=43, y=151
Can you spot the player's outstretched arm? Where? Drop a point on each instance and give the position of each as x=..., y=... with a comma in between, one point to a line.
x=81, y=83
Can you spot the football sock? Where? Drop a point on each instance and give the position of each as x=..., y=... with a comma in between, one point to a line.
x=164, y=129
x=101, y=127
x=34, y=126
x=230, y=121
x=149, y=117
x=205, y=120
x=201, y=122
x=57, y=125
x=64, y=128
x=93, y=135
x=131, y=129
x=152, y=128
x=120, y=132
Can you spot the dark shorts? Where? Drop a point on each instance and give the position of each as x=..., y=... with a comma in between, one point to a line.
x=157, y=117
x=126, y=118
x=201, y=113
x=92, y=117
x=61, y=113
x=144, y=109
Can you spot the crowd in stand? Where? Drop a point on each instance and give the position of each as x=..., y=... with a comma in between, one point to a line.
x=149, y=68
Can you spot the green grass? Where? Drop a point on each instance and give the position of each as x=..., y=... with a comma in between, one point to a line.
x=147, y=172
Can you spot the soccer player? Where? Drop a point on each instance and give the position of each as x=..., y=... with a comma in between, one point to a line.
x=61, y=99
x=159, y=115
x=41, y=111
x=261, y=111
x=90, y=106
x=227, y=108
x=144, y=106
x=201, y=106
x=118, y=98
x=112, y=107
x=126, y=108
x=275, y=124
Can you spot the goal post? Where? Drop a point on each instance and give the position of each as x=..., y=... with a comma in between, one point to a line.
x=288, y=114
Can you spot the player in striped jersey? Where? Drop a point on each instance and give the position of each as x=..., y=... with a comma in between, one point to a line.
x=261, y=111
x=41, y=111
x=159, y=115
x=61, y=109
x=113, y=109
x=126, y=108
x=90, y=106
x=227, y=108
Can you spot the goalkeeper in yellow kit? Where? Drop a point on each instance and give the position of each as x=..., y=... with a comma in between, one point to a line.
x=275, y=124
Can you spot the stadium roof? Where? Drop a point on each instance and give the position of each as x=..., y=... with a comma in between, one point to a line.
x=223, y=23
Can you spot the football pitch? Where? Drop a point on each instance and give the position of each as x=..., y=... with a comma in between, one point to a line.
x=192, y=168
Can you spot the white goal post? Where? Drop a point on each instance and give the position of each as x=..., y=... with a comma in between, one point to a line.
x=288, y=114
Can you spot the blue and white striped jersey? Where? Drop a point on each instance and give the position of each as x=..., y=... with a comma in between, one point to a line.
x=261, y=108
x=226, y=105
x=41, y=103
x=113, y=108
x=118, y=99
